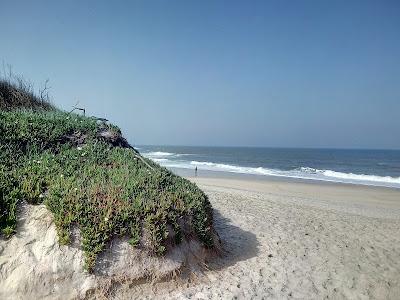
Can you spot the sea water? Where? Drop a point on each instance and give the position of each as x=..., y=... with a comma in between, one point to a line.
x=368, y=167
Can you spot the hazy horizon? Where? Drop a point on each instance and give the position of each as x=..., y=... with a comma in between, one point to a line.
x=267, y=147
x=303, y=74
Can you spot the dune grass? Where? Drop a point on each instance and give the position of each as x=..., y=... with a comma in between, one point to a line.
x=62, y=160
x=15, y=92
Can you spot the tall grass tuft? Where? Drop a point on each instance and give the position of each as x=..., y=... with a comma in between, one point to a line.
x=16, y=92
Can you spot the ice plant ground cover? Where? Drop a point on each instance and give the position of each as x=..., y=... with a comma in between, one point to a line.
x=94, y=181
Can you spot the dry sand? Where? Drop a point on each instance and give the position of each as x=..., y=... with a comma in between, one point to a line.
x=293, y=240
x=281, y=239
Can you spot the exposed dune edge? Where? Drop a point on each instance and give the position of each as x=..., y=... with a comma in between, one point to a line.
x=34, y=266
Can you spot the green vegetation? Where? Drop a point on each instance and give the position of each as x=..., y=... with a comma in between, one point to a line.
x=92, y=181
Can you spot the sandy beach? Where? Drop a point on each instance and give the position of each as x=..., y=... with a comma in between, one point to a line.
x=296, y=240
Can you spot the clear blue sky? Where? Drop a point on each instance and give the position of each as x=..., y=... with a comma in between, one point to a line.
x=245, y=73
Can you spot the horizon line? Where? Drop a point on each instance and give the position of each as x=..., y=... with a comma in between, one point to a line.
x=268, y=147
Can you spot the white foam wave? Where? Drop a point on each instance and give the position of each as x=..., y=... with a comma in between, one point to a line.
x=351, y=176
x=299, y=173
x=160, y=160
x=231, y=168
x=161, y=154
x=361, y=177
x=158, y=153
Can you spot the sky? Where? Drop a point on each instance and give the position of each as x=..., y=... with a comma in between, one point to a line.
x=218, y=73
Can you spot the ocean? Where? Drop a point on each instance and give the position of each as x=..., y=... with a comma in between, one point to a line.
x=367, y=167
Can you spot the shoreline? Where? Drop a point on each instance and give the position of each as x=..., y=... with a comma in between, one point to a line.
x=189, y=173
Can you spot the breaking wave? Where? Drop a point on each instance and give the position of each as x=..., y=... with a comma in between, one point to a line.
x=159, y=153
x=172, y=160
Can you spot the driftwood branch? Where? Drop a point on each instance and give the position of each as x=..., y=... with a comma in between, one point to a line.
x=78, y=108
x=100, y=119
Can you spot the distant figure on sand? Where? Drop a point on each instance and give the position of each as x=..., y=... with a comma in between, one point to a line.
x=195, y=171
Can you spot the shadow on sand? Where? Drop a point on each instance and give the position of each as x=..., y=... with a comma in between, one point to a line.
x=237, y=244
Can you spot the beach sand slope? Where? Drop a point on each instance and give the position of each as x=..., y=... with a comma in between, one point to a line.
x=288, y=240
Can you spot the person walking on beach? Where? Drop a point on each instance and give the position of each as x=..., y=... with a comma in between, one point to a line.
x=195, y=171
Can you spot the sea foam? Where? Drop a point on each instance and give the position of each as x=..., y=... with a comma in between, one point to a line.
x=159, y=153
x=173, y=160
